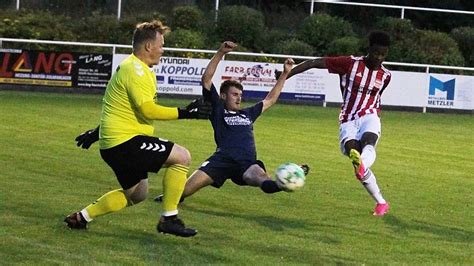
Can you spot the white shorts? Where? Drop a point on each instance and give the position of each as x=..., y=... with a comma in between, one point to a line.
x=356, y=128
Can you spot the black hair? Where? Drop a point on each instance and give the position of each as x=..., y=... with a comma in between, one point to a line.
x=230, y=83
x=379, y=38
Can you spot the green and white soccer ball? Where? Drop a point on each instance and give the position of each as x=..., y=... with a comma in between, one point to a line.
x=289, y=177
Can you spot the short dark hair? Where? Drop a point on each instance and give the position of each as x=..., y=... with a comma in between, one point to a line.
x=146, y=31
x=230, y=83
x=379, y=38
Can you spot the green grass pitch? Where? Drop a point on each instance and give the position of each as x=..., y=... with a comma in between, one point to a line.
x=424, y=167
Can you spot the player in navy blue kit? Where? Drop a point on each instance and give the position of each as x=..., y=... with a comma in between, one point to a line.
x=235, y=157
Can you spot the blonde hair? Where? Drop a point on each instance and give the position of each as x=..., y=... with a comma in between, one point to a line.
x=146, y=31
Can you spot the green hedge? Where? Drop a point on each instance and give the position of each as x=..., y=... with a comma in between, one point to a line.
x=430, y=47
x=402, y=33
x=36, y=25
x=293, y=47
x=318, y=35
x=464, y=36
x=345, y=46
x=188, y=17
x=319, y=30
x=420, y=46
x=240, y=24
x=182, y=38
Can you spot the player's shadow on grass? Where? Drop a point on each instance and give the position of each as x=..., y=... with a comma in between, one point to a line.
x=158, y=247
x=439, y=231
x=271, y=222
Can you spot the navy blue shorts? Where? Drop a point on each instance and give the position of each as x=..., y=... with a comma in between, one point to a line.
x=220, y=168
x=133, y=159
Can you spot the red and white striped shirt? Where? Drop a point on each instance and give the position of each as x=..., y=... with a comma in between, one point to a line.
x=361, y=87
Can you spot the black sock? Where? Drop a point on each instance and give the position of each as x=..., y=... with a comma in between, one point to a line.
x=270, y=186
x=172, y=217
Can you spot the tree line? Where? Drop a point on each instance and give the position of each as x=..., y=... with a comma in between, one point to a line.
x=268, y=28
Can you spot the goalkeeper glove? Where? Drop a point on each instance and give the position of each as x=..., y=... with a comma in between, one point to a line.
x=88, y=137
x=197, y=109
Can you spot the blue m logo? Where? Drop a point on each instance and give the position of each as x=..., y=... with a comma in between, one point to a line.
x=448, y=87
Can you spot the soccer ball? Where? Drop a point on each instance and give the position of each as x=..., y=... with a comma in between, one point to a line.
x=289, y=177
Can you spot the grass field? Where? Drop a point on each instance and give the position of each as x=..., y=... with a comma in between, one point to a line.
x=424, y=167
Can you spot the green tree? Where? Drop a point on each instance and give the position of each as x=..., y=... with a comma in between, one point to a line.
x=293, y=47
x=345, y=46
x=188, y=17
x=185, y=39
x=464, y=36
x=402, y=34
x=430, y=47
x=240, y=24
x=320, y=30
x=98, y=28
x=181, y=38
x=36, y=25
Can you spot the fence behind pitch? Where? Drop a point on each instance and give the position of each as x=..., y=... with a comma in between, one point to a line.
x=423, y=90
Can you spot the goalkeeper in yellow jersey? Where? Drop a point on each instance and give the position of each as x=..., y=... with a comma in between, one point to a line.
x=126, y=138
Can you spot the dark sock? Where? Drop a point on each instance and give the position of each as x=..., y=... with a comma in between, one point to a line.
x=83, y=220
x=167, y=218
x=269, y=186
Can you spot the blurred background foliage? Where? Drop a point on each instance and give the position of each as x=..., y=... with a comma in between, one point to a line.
x=264, y=26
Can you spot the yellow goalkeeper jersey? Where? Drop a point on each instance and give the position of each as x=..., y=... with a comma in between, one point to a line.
x=130, y=86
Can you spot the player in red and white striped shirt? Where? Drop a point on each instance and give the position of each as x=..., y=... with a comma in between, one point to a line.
x=362, y=82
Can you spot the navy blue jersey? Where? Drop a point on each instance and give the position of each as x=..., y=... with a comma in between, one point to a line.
x=233, y=130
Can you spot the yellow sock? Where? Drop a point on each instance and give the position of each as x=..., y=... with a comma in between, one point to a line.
x=111, y=201
x=173, y=187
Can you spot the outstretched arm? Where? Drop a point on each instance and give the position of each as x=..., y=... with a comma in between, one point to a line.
x=305, y=65
x=212, y=66
x=87, y=138
x=273, y=95
x=197, y=109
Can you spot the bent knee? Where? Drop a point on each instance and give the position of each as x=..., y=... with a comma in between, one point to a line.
x=247, y=179
x=369, y=138
x=352, y=144
x=181, y=156
x=255, y=175
x=138, y=197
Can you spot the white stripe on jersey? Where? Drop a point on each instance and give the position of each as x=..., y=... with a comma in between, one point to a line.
x=369, y=109
x=384, y=77
x=347, y=92
x=360, y=96
x=359, y=101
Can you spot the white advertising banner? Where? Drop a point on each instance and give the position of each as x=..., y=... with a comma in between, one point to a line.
x=180, y=75
x=253, y=76
x=411, y=89
x=315, y=84
x=322, y=81
x=405, y=89
x=450, y=91
x=118, y=58
x=259, y=78
x=175, y=75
